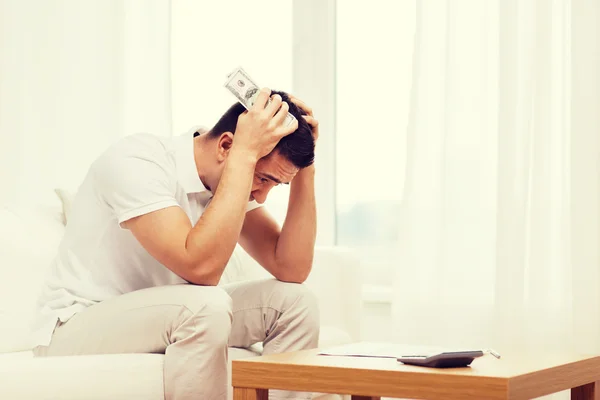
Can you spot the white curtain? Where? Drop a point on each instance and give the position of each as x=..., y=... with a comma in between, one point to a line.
x=74, y=77
x=500, y=231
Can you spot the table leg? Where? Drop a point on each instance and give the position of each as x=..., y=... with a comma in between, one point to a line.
x=250, y=394
x=354, y=397
x=591, y=391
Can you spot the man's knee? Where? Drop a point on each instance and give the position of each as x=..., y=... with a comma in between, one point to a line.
x=207, y=309
x=203, y=298
x=299, y=297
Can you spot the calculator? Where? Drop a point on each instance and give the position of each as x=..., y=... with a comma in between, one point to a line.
x=450, y=359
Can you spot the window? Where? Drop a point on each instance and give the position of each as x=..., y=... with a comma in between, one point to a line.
x=206, y=47
x=374, y=64
x=366, y=80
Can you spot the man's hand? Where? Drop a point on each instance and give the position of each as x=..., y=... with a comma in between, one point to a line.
x=259, y=129
x=287, y=253
x=309, y=117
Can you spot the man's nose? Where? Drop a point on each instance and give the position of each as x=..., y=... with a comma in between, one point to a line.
x=261, y=195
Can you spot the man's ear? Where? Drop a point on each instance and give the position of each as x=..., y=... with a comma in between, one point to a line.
x=224, y=144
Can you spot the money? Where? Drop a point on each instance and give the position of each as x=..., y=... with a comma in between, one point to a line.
x=243, y=87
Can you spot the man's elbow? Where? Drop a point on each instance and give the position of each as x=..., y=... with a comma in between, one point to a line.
x=291, y=279
x=206, y=274
x=202, y=281
x=293, y=275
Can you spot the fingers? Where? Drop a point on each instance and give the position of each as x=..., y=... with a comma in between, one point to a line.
x=279, y=118
x=302, y=105
x=274, y=105
x=311, y=121
x=287, y=129
x=261, y=99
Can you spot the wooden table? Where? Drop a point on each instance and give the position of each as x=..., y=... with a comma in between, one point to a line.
x=512, y=377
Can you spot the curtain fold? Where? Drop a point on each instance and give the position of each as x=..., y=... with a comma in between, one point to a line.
x=74, y=77
x=500, y=225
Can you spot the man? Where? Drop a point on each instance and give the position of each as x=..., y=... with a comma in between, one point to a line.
x=151, y=230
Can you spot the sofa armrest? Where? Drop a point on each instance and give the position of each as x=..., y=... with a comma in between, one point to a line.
x=335, y=280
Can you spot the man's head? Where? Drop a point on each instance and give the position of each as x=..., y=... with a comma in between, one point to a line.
x=293, y=152
x=297, y=147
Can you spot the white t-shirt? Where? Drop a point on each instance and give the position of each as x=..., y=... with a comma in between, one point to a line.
x=97, y=259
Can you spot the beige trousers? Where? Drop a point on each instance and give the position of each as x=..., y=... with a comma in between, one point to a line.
x=193, y=326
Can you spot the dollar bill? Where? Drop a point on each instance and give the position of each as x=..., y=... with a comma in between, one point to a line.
x=243, y=87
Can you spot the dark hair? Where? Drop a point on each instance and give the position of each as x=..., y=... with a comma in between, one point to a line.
x=298, y=147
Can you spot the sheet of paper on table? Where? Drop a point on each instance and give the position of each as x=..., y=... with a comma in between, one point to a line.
x=383, y=350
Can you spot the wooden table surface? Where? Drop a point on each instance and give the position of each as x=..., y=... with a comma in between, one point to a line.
x=511, y=377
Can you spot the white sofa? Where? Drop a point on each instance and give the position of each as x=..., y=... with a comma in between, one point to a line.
x=29, y=236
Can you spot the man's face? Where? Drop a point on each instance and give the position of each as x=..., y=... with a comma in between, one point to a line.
x=271, y=171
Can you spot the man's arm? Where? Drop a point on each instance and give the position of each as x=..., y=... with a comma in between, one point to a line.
x=287, y=253
x=199, y=254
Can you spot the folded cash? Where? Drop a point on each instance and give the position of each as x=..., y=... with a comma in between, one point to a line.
x=243, y=87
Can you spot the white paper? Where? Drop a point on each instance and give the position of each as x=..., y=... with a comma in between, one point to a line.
x=383, y=350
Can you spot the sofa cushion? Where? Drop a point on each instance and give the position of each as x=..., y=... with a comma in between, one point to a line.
x=115, y=376
x=29, y=237
x=118, y=376
x=66, y=199
x=110, y=376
